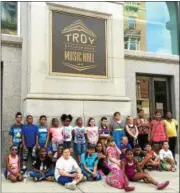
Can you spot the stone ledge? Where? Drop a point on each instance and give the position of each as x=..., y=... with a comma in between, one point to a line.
x=11, y=40
x=45, y=96
x=149, y=56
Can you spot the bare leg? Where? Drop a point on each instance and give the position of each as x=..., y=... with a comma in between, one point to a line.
x=12, y=178
x=76, y=181
x=144, y=176
x=20, y=178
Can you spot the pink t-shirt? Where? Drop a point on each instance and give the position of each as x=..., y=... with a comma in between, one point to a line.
x=57, y=134
x=92, y=134
x=158, y=131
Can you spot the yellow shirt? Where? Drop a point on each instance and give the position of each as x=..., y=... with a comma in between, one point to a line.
x=171, y=128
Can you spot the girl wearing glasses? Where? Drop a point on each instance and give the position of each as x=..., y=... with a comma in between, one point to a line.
x=13, y=165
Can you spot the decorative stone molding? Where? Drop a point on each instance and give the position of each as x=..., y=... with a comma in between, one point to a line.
x=46, y=96
x=139, y=55
x=11, y=40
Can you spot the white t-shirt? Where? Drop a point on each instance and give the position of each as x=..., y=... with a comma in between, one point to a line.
x=66, y=165
x=67, y=132
x=165, y=154
x=92, y=134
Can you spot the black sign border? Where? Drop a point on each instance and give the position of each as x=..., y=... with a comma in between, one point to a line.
x=51, y=10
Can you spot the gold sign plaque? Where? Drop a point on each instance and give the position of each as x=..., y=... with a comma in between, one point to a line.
x=78, y=45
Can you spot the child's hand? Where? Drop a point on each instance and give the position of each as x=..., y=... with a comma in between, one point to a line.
x=94, y=174
x=41, y=172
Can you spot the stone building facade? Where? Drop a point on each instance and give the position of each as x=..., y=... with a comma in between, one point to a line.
x=29, y=87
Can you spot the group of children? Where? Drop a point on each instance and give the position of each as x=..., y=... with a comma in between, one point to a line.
x=123, y=146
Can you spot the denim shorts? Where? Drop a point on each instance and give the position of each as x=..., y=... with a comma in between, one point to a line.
x=55, y=146
x=65, y=179
x=79, y=148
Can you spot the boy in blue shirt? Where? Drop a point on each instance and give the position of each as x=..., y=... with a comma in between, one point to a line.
x=89, y=161
x=29, y=139
x=15, y=133
x=124, y=146
x=43, y=135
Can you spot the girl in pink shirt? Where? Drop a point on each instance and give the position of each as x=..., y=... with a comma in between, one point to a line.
x=56, y=134
x=92, y=132
x=158, y=133
x=13, y=165
x=113, y=154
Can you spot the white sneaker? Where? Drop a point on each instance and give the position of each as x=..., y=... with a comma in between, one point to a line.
x=70, y=186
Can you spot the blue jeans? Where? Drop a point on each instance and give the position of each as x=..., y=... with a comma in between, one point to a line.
x=50, y=172
x=85, y=173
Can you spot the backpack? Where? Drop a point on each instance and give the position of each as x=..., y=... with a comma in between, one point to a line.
x=116, y=179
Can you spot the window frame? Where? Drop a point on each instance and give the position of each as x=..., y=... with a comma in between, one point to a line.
x=18, y=33
x=132, y=19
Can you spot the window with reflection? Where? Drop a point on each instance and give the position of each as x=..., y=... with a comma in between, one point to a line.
x=9, y=18
x=153, y=25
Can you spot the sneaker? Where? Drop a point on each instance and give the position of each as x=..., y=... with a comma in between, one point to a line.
x=90, y=178
x=129, y=188
x=35, y=179
x=162, y=185
x=70, y=186
x=84, y=178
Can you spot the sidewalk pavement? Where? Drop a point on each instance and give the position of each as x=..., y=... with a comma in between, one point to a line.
x=92, y=187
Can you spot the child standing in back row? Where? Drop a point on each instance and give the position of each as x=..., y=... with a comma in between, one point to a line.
x=131, y=131
x=92, y=132
x=29, y=140
x=158, y=134
x=79, y=133
x=117, y=128
x=43, y=134
x=104, y=133
x=67, y=130
x=56, y=133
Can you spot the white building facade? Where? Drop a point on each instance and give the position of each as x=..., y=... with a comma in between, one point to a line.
x=30, y=86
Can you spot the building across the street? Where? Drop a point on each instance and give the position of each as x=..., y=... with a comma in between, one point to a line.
x=88, y=59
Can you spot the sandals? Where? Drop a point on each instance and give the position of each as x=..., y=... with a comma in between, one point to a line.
x=162, y=185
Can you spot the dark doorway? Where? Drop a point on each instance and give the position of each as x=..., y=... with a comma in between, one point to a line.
x=153, y=93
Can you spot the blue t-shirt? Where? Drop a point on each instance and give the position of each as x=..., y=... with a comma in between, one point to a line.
x=16, y=132
x=42, y=134
x=90, y=161
x=30, y=132
x=79, y=135
x=121, y=147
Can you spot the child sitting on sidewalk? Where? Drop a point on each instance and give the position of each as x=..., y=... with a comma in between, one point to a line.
x=139, y=155
x=42, y=167
x=166, y=157
x=153, y=161
x=13, y=165
x=124, y=146
x=132, y=170
x=89, y=162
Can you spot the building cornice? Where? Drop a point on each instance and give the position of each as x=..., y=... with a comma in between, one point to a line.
x=149, y=56
x=11, y=40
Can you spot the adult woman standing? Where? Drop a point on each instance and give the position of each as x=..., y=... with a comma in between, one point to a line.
x=143, y=126
x=171, y=127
